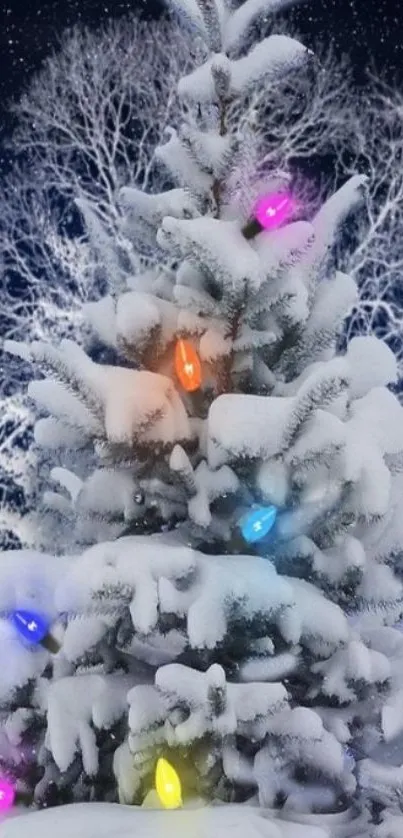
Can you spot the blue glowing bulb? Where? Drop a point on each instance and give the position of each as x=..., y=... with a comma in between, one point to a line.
x=257, y=523
x=32, y=627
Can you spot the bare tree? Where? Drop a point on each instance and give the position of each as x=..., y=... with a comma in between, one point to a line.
x=306, y=115
x=372, y=251
x=41, y=268
x=92, y=117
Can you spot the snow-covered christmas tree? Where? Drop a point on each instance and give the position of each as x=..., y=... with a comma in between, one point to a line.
x=231, y=608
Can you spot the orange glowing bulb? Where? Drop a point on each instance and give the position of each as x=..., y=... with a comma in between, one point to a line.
x=187, y=366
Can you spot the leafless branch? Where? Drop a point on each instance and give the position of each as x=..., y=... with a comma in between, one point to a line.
x=92, y=117
x=373, y=247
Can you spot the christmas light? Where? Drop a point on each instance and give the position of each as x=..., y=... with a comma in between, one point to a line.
x=32, y=627
x=187, y=366
x=7, y=794
x=271, y=210
x=168, y=785
x=257, y=523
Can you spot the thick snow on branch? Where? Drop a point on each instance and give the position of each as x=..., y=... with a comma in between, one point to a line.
x=268, y=60
x=372, y=364
x=213, y=153
x=239, y=21
x=328, y=220
x=182, y=166
x=137, y=321
x=261, y=426
x=115, y=403
x=153, y=571
x=187, y=707
x=331, y=441
x=231, y=430
x=75, y=706
x=203, y=485
x=152, y=208
x=327, y=224
x=28, y=577
x=155, y=576
x=241, y=705
x=334, y=300
x=217, y=245
x=285, y=247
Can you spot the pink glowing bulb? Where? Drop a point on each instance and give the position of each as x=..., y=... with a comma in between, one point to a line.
x=272, y=210
x=7, y=794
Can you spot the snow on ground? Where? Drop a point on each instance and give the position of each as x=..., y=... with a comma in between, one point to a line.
x=104, y=820
x=107, y=820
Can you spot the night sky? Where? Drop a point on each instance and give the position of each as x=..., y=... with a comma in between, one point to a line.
x=29, y=30
x=366, y=29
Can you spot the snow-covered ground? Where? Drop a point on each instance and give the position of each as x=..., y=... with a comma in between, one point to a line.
x=106, y=820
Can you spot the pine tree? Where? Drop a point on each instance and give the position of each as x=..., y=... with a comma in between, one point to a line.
x=265, y=669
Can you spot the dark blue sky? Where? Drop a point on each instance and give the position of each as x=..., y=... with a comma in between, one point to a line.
x=29, y=30
x=366, y=29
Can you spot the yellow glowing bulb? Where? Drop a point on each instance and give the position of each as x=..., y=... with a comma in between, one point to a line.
x=168, y=785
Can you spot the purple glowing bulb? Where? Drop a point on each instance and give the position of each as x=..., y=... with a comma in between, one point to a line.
x=7, y=794
x=271, y=210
